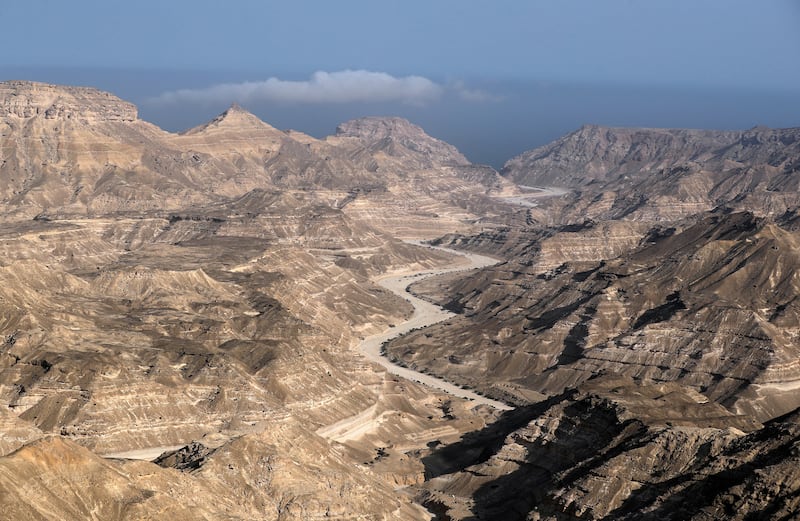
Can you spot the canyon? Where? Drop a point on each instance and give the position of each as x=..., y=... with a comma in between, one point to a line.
x=241, y=322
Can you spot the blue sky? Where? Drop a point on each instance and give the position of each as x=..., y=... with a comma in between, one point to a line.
x=529, y=69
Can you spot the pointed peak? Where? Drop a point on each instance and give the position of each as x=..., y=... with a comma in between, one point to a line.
x=234, y=116
x=236, y=110
x=235, y=107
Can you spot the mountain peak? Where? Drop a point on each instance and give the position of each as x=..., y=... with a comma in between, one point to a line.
x=236, y=108
x=238, y=113
x=234, y=117
x=400, y=138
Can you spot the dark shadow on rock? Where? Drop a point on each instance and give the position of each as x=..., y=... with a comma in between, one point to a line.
x=729, y=489
x=188, y=458
x=575, y=340
x=478, y=446
x=577, y=450
x=661, y=313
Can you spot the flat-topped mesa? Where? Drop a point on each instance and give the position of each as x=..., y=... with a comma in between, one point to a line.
x=384, y=131
x=27, y=99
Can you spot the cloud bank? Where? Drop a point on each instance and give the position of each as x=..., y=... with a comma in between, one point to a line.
x=323, y=87
x=348, y=86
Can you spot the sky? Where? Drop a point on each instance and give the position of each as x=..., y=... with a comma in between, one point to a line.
x=494, y=78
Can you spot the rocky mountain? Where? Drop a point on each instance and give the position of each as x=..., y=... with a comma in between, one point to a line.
x=662, y=174
x=399, y=141
x=595, y=154
x=69, y=151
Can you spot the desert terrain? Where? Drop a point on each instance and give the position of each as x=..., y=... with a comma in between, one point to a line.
x=241, y=322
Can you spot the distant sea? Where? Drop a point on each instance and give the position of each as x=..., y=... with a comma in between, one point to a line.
x=522, y=115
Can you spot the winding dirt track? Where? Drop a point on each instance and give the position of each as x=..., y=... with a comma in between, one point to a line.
x=425, y=314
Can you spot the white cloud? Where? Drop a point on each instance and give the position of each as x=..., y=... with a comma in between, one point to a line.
x=323, y=87
x=346, y=86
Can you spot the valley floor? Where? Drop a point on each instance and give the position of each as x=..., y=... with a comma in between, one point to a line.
x=425, y=314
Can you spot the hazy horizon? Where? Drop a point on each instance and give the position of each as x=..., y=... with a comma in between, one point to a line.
x=523, y=116
x=492, y=78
